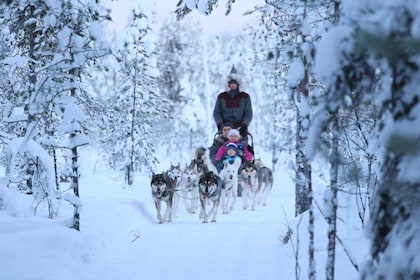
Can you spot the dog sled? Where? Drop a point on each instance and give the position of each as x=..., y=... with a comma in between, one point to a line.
x=248, y=141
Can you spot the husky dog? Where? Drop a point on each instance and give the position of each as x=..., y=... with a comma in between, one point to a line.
x=202, y=162
x=229, y=177
x=174, y=175
x=162, y=191
x=189, y=187
x=199, y=160
x=258, y=162
x=209, y=190
x=265, y=181
x=249, y=183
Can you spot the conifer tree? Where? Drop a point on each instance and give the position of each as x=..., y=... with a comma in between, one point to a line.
x=128, y=134
x=52, y=43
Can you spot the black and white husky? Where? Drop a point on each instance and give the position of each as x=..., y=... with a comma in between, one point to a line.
x=201, y=161
x=250, y=185
x=209, y=191
x=189, y=188
x=174, y=176
x=162, y=192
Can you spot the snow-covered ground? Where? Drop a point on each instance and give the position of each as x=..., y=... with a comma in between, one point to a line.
x=120, y=238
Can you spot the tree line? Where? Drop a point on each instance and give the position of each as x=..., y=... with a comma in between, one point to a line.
x=326, y=87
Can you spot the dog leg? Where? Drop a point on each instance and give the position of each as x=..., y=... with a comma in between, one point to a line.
x=260, y=196
x=175, y=203
x=228, y=201
x=169, y=208
x=254, y=199
x=194, y=199
x=268, y=190
x=214, y=211
x=234, y=193
x=224, y=201
x=203, y=214
x=245, y=193
x=159, y=215
x=264, y=195
x=187, y=201
x=192, y=206
x=165, y=217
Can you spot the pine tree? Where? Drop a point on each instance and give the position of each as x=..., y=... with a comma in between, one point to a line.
x=129, y=131
x=53, y=43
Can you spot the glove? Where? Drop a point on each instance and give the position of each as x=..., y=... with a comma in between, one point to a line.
x=241, y=147
x=243, y=130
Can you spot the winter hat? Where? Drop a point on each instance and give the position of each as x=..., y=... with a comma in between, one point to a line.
x=227, y=124
x=233, y=132
x=233, y=76
x=231, y=146
x=233, y=81
x=240, y=146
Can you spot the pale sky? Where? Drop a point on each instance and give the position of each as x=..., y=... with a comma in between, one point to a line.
x=215, y=23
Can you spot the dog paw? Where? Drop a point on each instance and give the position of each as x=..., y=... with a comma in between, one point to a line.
x=213, y=221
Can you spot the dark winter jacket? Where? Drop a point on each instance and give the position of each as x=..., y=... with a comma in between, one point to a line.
x=234, y=107
x=217, y=143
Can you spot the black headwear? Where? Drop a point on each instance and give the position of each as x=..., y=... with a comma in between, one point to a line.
x=227, y=124
x=233, y=70
x=233, y=76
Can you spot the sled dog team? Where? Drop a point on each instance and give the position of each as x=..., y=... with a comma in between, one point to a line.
x=201, y=182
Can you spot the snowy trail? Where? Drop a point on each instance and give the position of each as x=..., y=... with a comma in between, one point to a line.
x=244, y=244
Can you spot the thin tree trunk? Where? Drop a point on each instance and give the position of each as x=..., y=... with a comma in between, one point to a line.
x=332, y=200
x=75, y=165
x=303, y=170
x=75, y=185
x=312, y=263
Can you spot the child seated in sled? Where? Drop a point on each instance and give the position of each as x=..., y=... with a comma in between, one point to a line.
x=241, y=149
x=230, y=156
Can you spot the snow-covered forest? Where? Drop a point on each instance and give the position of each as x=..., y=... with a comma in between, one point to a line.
x=334, y=86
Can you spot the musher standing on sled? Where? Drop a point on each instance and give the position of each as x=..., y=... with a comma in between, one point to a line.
x=233, y=106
